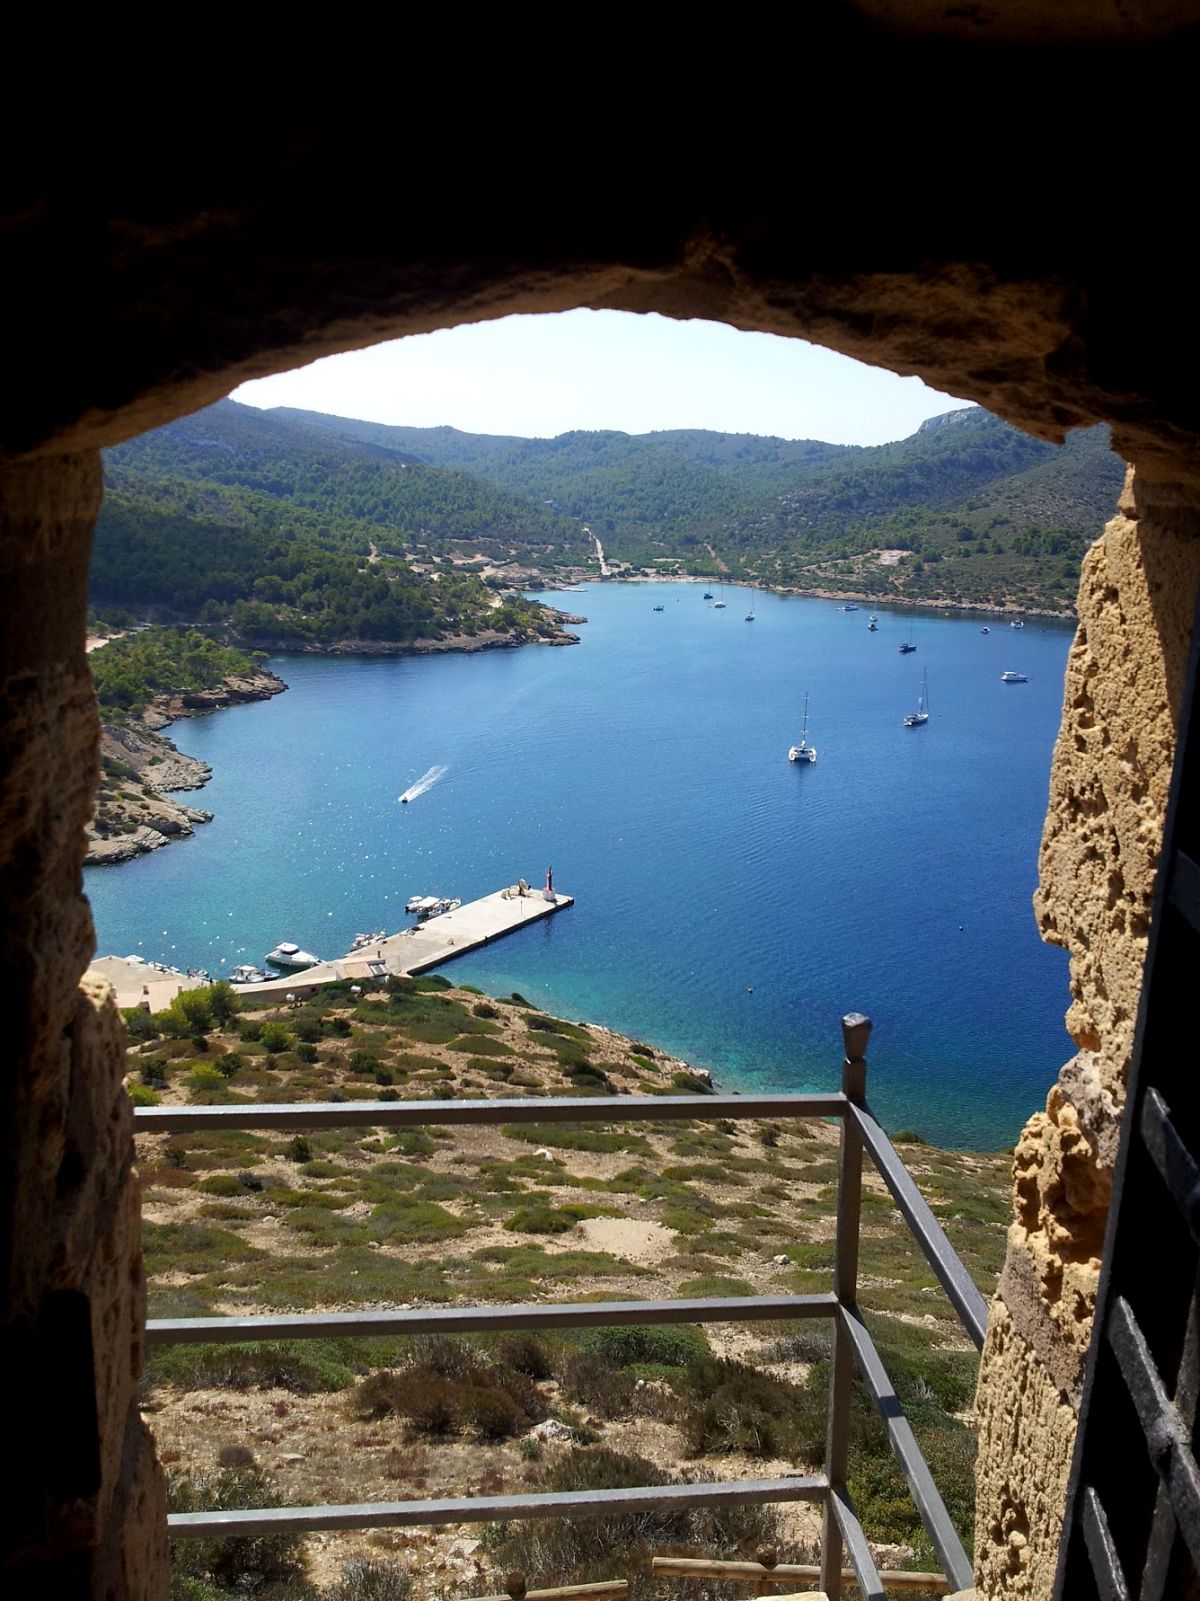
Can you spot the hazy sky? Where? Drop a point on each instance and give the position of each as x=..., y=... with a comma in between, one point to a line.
x=540, y=376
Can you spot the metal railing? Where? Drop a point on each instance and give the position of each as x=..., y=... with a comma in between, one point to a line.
x=853, y=1347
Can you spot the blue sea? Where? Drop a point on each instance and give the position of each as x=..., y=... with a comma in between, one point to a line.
x=730, y=906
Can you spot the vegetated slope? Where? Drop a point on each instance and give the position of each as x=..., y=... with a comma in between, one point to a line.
x=280, y=534
x=255, y=1221
x=978, y=511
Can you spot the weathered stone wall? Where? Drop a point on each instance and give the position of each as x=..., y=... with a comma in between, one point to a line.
x=83, y=1515
x=1108, y=793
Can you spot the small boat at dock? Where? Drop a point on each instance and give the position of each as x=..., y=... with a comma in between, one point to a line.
x=246, y=973
x=361, y=941
x=423, y=907
x=291, y=956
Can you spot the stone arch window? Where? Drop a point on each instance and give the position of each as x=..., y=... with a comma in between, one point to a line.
x=1029, y=250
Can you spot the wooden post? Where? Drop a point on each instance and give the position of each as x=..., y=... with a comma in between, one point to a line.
x=856, y=1031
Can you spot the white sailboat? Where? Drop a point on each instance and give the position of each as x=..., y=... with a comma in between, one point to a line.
x=920, y=717
x=719, y=605
x=750, y=613
x=803, y=752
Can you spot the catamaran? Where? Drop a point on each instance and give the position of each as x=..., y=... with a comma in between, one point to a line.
x=803, y=752
x=920, y=717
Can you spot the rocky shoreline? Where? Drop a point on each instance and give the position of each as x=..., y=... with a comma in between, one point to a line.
x=140, y=768
x=466, y=644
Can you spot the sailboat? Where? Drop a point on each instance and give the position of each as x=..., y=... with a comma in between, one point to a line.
x=750, y=613
x=920, y=717
x=803, y=752
x=719, y=605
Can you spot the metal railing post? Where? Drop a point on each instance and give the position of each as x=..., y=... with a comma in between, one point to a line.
x=856, y=1031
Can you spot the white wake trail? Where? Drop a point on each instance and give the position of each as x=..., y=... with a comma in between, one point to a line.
x=424, y=783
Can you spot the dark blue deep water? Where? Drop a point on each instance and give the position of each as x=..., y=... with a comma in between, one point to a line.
x=730, y=906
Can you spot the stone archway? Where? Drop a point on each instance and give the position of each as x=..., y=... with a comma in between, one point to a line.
x=973, y=261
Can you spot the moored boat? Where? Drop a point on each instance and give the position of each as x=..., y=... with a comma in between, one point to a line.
x=1013, y=678
x=920, y=717
x=291, y=956
x=803, y=751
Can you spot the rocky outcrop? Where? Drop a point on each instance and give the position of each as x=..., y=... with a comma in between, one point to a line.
x=1108, y=793
x=139, y=766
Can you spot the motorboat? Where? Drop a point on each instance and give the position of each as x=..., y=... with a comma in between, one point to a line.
x=906, y=649
x=659, y=608
x=246, y=973
x=1017, y=624
x=850, y=606
x=291, y=956
x=1013, y=678
x=423, y=907
x=985, y=630
x=803, y=752
x=920, y=717
x=361, y=941
x=708, y=594
x=872, y=627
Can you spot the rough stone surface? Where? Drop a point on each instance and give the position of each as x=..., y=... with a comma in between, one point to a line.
x=84, y=1516
x=1108, y=793
x=1021, y=1477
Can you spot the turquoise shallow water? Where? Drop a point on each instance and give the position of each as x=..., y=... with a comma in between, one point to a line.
x=730, y=906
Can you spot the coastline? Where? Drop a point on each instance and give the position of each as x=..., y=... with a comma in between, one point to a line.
x=140, y=768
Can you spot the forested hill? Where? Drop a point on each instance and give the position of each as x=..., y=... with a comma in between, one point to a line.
x=271, y=532
x=967, y=508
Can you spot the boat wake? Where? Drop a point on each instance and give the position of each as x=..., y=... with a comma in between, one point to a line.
x=423, y=784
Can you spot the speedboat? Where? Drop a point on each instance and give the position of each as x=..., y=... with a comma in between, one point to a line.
x=658, y=608
x=985, y=630
x=1017, y=624
x=1013, y=678
x=708, y=594
x=291, y=956
x=247, y=974
x=850, y=606
x=361, y=941
x=872, y=627
x=905, y=649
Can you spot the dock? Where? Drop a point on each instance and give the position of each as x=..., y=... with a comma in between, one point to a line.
x=429, y=944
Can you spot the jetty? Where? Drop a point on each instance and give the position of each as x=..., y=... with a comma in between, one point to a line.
x=429, y=944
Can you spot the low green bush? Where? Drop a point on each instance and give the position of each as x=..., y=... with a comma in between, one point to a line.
x=242, y=1563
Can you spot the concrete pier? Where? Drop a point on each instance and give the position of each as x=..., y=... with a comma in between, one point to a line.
x=416, y=950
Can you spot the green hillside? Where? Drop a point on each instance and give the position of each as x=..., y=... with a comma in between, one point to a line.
x=978, y=511
x=275, y=533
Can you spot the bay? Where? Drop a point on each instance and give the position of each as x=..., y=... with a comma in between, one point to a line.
x=730, y=906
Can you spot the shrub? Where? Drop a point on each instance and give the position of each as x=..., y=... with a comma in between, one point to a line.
x=276, y=1038
x=526, y=1354
x=204, y=1078
x=648, y=1345
x=596, y=1385
x=250, y=1028
x=539, y=1219
x=222, y=1002
x=152, y=1070
x=492, y=1414
x=485, y=1009
x=306, y=1052
x=366, y=1580
x=427, y=1402
x=189, y=1014
x=139, y=1025
x=230, y=1065
x=237, y=1564
x=300, y=1148
x=143, y=1095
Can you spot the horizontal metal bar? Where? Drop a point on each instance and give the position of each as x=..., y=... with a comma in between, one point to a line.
x=937, y=1521
x=866, y=1574
x=421, y=1114
x=606, y=1590
x=928, y=1232
x=1184, y=892
x=482, y=1319
x=1176, y=1165
x=486, y=1508
x=1167, y=1438
x=1110, y=1579
x=781, y=1573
